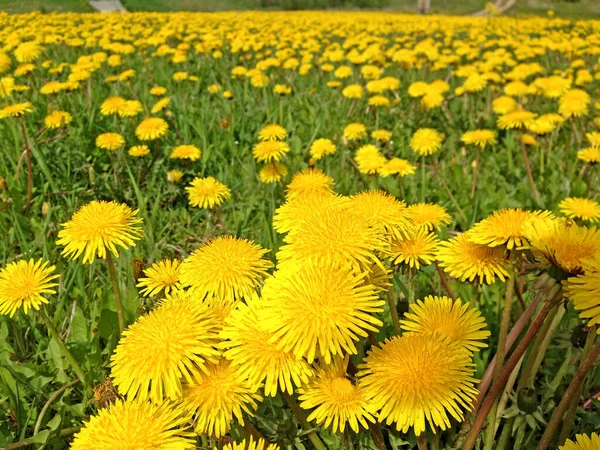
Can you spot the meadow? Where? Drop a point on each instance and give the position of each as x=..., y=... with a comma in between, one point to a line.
x=299, y=230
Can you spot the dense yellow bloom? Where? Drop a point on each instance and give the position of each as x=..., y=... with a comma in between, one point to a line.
x=165, y=348
x=135, y=424
x=574, y=103
x=322, y=147
x=480, y=138
x=24, y=284
x=272, y=132
x=227, y=267
x=99, y=226
x=369, y=159
x=319, y=310
x=414, y=247
x=250, y=445
x=449, y=317
x=160, y=105
x=250, y=347
x=151, y=129
x=355, y=131
x=381, y=135
x=112, y=105
x=419, y=379
x=397, y=166
x=139, y=150
x=131, y=108
x=309, y=181
x=158, y=90
x=337, y=402
x=161, y=276
x=381, y=210
x=190, y=152
x=582, y=442
x=222, y=395
x=426, y=141
x=266, y=151
x=110, y=141
x=28, y=51
x=428, y=215
x=353, y=91
x=207, y=192
x=518, y=118
x=504, y=105
x=580, y=208
x=466, y=260
x=15, y=110
x=590, y=155
x=272, y=172
x=174, y=176
x=57, y=119
x=583, y=290
x=7, y=85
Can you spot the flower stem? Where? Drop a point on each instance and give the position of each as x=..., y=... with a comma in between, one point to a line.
x=377, y=436
x=53, y=397
x=534, y=192
x=63, y=348
x=498, y=385
x=115, y=285
x=28, y=154
x=422, y=442
x=300, y=416
x=557, y=417
x=393, y=312
x=444, y=280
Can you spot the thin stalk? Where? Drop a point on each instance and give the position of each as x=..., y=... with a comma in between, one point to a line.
x=569, y=418
x=444, y=280
x=411, y=286
x=300, y=416
x=450, y=195
x=422, y=442
x=28, y=154
x=26, y=443
x=475, y=173
x=63, y=348
x=49, y=402
x=500, y=355
x=115, y=285
x=561, y=409
x=498, y=385
x=377, y=436
x=422, y=179
x=393, y=312
x=534, y=192
x=347, y=439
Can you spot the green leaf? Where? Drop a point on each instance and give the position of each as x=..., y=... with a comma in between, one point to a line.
x=40, y=438
x=108, y=323
x=79, y=326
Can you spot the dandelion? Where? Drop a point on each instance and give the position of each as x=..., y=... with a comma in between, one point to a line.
x=369, y=159
x=321, y=147
x=174, y=176
x=7, y=85
x=428, y=215
x=171, y=345
x=382, y=136
x=57, y=119
x=158, y=91
x=162, y=276
x=337, y=402
x=590, y=155
x=28, y=52
x=516, y=119
x=355, y=131
x=583, y=442
x=250, y=347
x=270, y=151
x=426, y=141
x=15, y=110
x=207, y=192
x=382, y=210
x=226, y=267
x=353, y=91
x=135, y=424
x=414, y=247
x=112, y=105
x=23, y=284
x=583, y=290
x=151, y=129
x=480, y=138
x=160, y=105
x=419, y=379
x=451, y=318
x=109, y=141
x=397, y=166
x=574, y=103
x=309, y=181
x=222, y=395
x=504, y=105
x=272, y=132
x=304, y=207
x=131, y=108
x=190, y=152
x=580, y=208
x=320, y=311
x=139, y=151
x=272, y=172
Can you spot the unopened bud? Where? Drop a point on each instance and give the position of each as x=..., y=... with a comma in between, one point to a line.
x=45, y=208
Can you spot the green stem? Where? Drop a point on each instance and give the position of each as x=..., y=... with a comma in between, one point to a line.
x=422, y=442
x=63, y=348
x=49, y=402
x=393, y=312
x=347, y=439
x=422, y=179
x=115, y=285
x=300, y=416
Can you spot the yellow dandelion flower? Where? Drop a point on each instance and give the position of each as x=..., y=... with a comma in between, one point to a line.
x=304, y=207
x=319, y=311
x=428, y=215
x=248, y=345
x=151, y=129
x=272, y=132
x=322, y=147
x=379, y=101
x=222, y=395
x=518, y=118
x=57, y=119
x=369, y=159
x=382, y=136
x=272, y=172
x=426, y=141
x=270, y=151
x=414, y=247
x=504, y=105
x=382, y=210
x=397, y=166
x=174, y=176
x=418, y=89
x=449, y=317
x=419, y=379
x=353, y=91
x=466, y=260
x=593, y=138
x=158, y=91
x=582, y=442
x=23, y=284
x=574, y=103
x=480, y=138
x=110, y=141
x=171, y=345
x=139, y=151
x=7, y=85
x=28, y=52
x=160, y=105
x=355, y=131
x=131, y=108
x=207, y=192
x=15, y=110
x=112, y=105
x=135, y=424
x=506, y=227
x=190, y=152
x=337, y=402
x=590, y=155
x=161, y=276
x=227, y=267
x=99, y=226
x=580, y=208
x=309, y=181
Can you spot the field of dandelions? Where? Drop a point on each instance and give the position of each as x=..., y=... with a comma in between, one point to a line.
x=299, y=231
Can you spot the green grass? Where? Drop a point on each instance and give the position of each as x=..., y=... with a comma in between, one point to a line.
x=24, y=6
